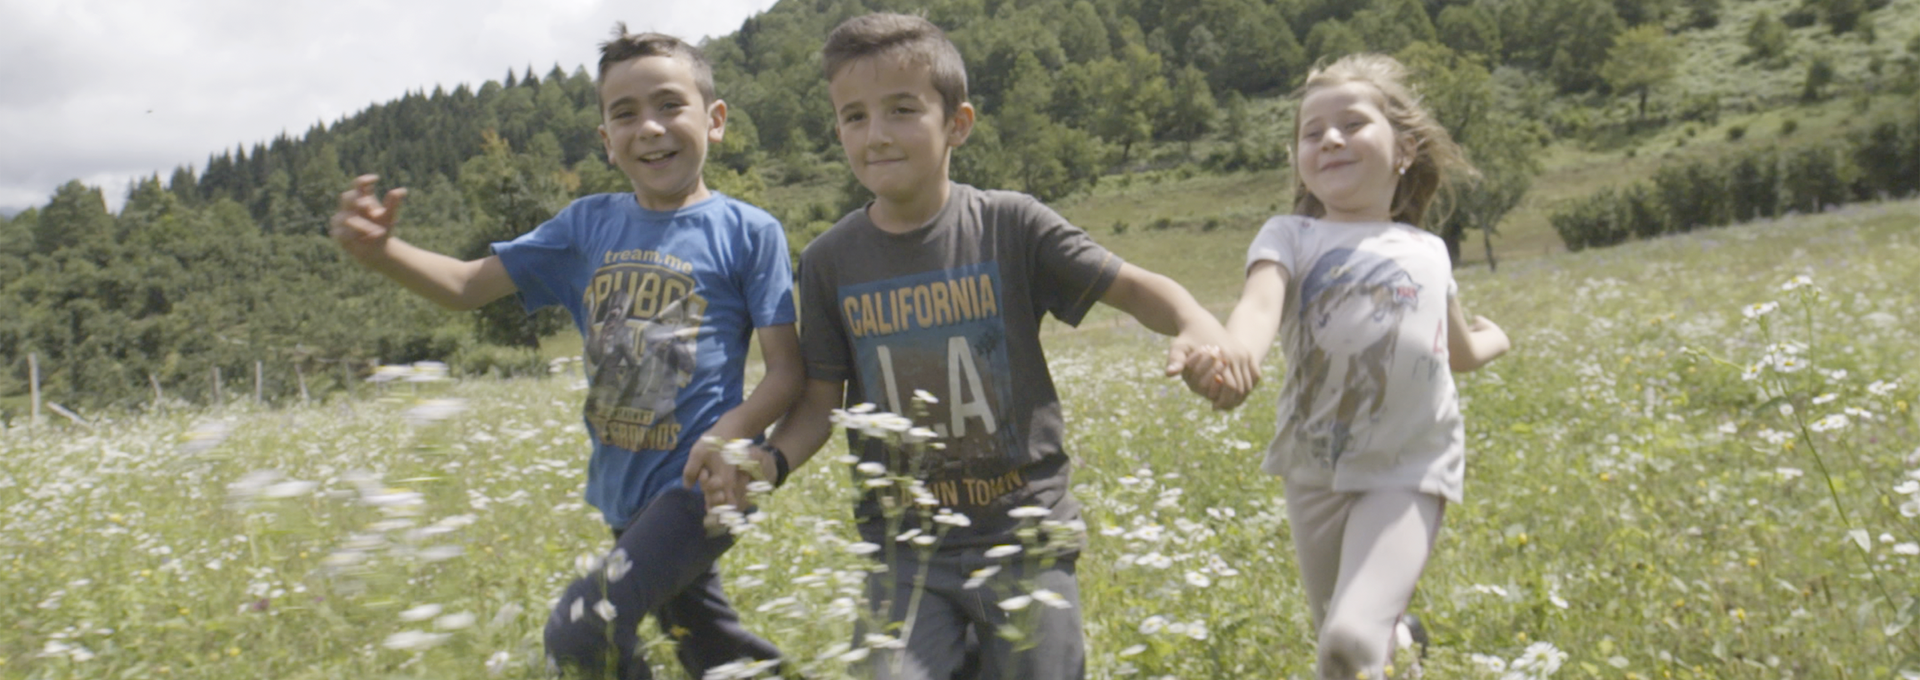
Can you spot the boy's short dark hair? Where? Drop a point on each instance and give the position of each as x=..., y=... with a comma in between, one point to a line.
x=628, y=46
x=911, y=39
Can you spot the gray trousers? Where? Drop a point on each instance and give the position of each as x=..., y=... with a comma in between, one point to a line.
x=673, y=577
x=1360, y=555
x=953, y=632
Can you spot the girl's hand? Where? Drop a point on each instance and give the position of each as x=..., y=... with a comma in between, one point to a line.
x=1223, y=375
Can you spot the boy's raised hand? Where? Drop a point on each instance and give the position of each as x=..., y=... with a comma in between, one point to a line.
x=362, y=224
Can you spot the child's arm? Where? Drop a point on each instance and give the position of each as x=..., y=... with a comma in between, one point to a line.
x=799, y=435
x=1471, y=346
x=1253, y=323
x=778, y=389
x=1163, y=305
x=364, y=228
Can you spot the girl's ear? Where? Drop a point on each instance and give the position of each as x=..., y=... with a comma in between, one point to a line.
x=1406, y=151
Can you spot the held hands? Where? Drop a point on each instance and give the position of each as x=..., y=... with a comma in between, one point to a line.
x=1222, y=373
x=361, y=224
x=723, y=470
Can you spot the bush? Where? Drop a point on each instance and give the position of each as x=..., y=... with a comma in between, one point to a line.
x=1754, y=186
x=499, y=361
x=1643, y=214
x=1119, y=227
x=1592, y=222
x=1820, y=74
x=1695, y=196
x=1703, y=108
x=1788, y=126
x=1160, y=224
x=1816, y=177
x=1877, y=154
x=1736, y=132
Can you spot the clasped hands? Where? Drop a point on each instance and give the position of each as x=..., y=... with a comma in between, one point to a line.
x=1221, y=371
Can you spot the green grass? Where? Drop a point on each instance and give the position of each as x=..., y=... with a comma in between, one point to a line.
x=1630, y=499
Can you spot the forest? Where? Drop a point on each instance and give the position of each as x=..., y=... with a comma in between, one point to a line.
x=218, y=268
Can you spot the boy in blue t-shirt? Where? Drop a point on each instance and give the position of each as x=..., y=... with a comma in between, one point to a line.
x=666, y=284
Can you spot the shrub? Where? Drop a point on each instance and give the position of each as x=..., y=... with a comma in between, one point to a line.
x=1644, y=215
x=1695, y=196
x=1119, y=227
x=1816, y=177
x=1788, y=126
x=1592, y=222
x=498, y=361
x=1736, y=132
x=1754, y=186
x=1877, y=154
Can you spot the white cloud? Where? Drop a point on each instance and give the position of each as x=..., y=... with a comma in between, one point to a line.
x=108, y=90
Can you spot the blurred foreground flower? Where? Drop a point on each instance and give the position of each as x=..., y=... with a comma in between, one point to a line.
x=419, y=371
x=431, y=411
x=204, y=436
x=414, y=640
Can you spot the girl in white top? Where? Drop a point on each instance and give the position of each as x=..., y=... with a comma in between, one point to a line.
x=1370, y=439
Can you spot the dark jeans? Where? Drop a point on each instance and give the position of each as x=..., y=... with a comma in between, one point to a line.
x=673, y=577
x=954, y=633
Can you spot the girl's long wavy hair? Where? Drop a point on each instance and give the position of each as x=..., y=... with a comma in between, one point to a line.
x=1438, y=162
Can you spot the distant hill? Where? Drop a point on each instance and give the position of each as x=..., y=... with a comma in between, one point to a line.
x=223, y=264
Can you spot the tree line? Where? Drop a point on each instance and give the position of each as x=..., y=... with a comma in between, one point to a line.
x=226, y=263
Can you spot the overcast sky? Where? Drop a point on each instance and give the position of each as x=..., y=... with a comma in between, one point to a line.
x=108, y=90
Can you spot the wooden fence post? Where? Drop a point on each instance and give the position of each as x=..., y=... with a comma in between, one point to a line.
x=158, y=397
x=257, y=382
x=33, y=385
x=217, y=400
x=302, y=376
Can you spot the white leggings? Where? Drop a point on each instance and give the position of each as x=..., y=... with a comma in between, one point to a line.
x=1360, y=555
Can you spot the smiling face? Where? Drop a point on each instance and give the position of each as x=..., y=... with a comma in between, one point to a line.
x=897, y=136
x=1348, y=155
x=656, y=128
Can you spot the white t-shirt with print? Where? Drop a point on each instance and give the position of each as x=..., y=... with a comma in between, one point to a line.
x=1368, y=401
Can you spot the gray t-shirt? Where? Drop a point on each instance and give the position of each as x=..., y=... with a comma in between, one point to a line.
x=953, y=308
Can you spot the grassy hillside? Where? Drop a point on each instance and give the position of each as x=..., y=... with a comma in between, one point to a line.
x=1632, y=501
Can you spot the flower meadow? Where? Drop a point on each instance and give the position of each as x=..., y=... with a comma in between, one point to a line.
x=1699, y=461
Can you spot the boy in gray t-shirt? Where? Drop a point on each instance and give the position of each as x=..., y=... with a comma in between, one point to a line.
x=940, y=287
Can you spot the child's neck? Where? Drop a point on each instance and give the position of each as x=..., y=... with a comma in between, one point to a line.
x=1364, y=216
x=670, y=203
x=896, y=216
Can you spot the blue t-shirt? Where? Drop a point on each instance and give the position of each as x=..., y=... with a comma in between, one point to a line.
x=666, y=303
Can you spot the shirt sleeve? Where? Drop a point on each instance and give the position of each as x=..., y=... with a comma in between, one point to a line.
x=1071, y=271
x=823, y=336
x=768, y=275
x=539, y=260
x=1278, y=242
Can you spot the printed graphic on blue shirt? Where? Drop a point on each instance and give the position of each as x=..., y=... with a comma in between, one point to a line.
x=1353, y=304
x=942, y=332
x=642, y=347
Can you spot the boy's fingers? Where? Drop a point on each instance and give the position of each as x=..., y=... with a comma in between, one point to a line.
x=1176, y=360
x=392, y=205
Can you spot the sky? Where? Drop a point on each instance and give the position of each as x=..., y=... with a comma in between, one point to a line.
x=107, y=91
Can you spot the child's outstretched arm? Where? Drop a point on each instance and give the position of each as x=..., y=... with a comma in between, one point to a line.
x=1470, y=346
x=786, y=376
x=1163, y=305
x=1253, y=323
x=363, y=227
